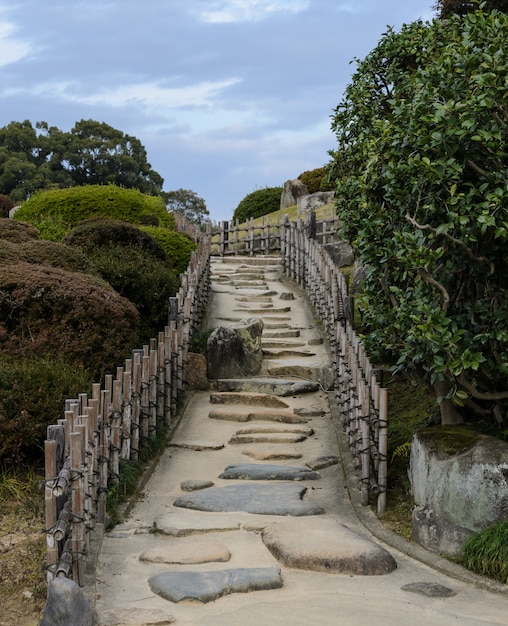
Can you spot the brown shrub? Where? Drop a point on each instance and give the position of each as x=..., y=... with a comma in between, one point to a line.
x=6, y=204
x=12, y=230
x=43, y=252
x=45, y=310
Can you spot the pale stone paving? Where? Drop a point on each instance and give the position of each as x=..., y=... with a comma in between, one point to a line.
x=232, y=531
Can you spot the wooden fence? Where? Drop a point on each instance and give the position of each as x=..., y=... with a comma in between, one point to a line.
x=83, y=452
x=253, y=237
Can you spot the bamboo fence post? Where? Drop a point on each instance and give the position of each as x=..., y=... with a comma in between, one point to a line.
x=145, y=399
x=136, y=405
x=50, y=509
x=365, y=440
x=167, y=375
x=78, y=525
x=152, y=393
x=127, y=411
x=116, y=417
x=103, y=456
x=383, y=451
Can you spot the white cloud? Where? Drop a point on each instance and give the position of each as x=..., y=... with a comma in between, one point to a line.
x=227, y=11
x=11, y=48
x=152, y=95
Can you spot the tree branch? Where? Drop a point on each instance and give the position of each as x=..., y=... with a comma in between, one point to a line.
x=480, y=395
x=446, y=296
x=457, y=242
x=387, y=291
x=477, y=168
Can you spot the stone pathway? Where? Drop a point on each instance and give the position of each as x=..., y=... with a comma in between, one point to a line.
x=247, y=520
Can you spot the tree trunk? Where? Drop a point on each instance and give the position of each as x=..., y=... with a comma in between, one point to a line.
x=449, y=413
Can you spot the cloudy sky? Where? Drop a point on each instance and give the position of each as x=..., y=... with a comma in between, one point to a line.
x=227, y=96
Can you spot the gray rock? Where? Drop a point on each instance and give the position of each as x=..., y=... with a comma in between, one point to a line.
x=341, y=253
x=260, y=499
x=235, y=350
x=259, y=415
x=197, y=445
x=326, y=545
x=256, y=471
x=277, y=386
x=272, y=453
x=458, y=490
x=322, y=462
x=66, y=605
x=195, y=485
x=132, y=616
x=312, y=201
x=431, y=590
x=251, y=399
x=208, y=586
x=292, y=190
x=287, y=295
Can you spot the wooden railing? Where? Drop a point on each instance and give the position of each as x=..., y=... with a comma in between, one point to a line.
x=84, y=451
x=362, y=400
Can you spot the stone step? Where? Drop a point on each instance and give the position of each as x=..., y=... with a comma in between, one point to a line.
x=249, y=399
x=276, y=498
x=283, y=334
x=265, y=471
x=259, y=415
x=276, y=386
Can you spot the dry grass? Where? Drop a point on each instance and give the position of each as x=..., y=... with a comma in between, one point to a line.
x=22, y=549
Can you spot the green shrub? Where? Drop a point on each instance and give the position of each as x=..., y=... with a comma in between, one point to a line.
x=49, y=311
x=486, y=552
x=316, y=180
x=177, y=246
x=15, y=231
x=102, y=232
x=67, y=207
x=145, y=280
x=258, y=203
x=32, y=395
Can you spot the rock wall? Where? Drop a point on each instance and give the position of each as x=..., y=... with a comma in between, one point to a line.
x=457, y=491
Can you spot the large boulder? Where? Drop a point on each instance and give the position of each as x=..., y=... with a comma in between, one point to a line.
x=292, y=190
x=235, y=350
x=311, y=202
x=459, y=481
x=66, y=605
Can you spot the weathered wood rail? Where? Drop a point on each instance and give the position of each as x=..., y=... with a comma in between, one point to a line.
x=97, y=433
x=83, y=452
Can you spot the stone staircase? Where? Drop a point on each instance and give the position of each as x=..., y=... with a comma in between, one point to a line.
x=246, y=519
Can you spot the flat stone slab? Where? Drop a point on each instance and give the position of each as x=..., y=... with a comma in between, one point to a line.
x=284, y=353
x=326, y=545
x=195, y=485
x=283, y=334
x=259, y=415
x=269, y=311
x=322, y=462
x=170, y=524
x=197, y=445
x=431, y=590
x=265, y=471
x=277, y=386
x=187, y=553
x=250, y=399
x=271, y=435
x=257, y=498
x=132, y=616
x=208, y=586
x=255, y=293
x=255, y=299
x=282, y=344
x=272, y=453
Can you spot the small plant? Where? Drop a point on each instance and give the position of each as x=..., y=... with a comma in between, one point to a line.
x=486, y=552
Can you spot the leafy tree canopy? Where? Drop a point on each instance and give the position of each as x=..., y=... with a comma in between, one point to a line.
x=447, y=8
x=258, y=203
x=422, y=195
x=188, y=203
x=44, y=157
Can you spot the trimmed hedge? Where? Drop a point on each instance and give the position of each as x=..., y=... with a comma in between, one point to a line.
x=46, y=311
x=66, y=207
x=258, y=203
x=177, y=246
x=15, y=231
x=43, y=252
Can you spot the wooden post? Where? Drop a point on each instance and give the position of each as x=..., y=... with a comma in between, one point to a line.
x=383, y=451
x=51, y=512
x=78, y=522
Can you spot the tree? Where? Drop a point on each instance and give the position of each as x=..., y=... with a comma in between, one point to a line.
x=44, y=157
x=258, y=203
x=188, y=203
x=447, y=8
x=422, y=196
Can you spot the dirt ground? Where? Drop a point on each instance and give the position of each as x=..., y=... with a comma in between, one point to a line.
x=22, y=551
